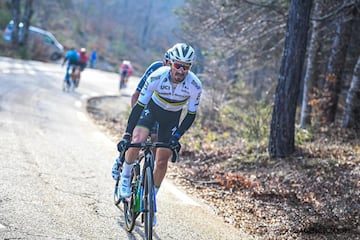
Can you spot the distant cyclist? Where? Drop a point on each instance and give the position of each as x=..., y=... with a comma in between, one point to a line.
x=93, y=58
x=72, y=58
x=165, y=93
x=83, y=59
x=125, y=71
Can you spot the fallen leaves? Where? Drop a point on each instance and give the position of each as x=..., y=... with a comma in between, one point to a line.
x=313, y=195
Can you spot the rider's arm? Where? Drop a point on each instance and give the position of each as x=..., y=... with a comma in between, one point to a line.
x=65, y=59
x=134, y=117
x=149, y=70
x=134, y=97
x=185, y=124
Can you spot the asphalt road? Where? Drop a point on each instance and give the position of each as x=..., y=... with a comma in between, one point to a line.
x=55, y=165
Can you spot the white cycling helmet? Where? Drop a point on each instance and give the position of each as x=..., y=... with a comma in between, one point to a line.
x=183, y=52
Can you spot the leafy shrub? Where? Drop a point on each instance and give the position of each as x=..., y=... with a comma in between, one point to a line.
x=303, y=135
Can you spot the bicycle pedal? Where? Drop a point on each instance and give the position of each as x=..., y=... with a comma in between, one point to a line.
x=126, y=199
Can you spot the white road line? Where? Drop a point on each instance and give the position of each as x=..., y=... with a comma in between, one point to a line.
x=110, y=93
x=19, y=71
x=82, y=117
x=78, y=104
x=179, y=194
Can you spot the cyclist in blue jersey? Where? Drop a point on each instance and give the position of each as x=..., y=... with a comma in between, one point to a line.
x=72, y=57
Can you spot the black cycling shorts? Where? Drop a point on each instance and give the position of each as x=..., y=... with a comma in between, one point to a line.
x=168, y=121
x=155, y=129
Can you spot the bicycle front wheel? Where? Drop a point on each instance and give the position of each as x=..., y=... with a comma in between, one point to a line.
x=148, y=203
x=129, y=204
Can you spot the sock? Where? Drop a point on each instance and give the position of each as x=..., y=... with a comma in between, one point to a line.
x=126, y=171
x=156, y=189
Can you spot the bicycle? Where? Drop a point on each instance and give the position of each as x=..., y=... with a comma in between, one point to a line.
x=123, y=80
x=142, y=199
x=74, y=78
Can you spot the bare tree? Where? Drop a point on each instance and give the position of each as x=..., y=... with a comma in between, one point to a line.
x=312, y=69
x=16, y=38
x=15, y=10
x=28, y=12
x=351, y=95
x=282, y=132
x=332, y=86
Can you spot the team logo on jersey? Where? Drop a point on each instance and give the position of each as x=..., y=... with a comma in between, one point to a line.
x=185, y=90
x=181, y=96
x=146, y=86
x=198, y=97
x=166, y=87
x=193, y=82
x=173, y=130
x=155, y=78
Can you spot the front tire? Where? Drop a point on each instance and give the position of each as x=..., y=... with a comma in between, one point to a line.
x=129, y=213
x=148, y=203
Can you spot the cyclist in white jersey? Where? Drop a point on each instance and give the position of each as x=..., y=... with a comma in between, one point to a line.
x=154, y=131
x=165, y=93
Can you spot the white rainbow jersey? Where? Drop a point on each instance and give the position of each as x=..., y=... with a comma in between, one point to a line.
x=170, y=96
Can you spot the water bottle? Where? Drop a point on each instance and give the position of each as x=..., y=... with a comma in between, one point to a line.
x=137, y=198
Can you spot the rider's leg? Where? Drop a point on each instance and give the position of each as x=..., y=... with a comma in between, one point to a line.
x=67, y=75
x=139, y=135
x=166, y=126
x=161, y=163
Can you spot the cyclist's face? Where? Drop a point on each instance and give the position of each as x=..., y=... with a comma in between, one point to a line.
x=179, y=71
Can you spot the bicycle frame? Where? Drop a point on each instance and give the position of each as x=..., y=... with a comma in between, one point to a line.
x=142, y=186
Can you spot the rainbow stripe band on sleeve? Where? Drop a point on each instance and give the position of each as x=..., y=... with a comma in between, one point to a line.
x=170, y=102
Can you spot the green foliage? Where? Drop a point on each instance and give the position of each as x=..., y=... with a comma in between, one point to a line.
x=256, y=122
x=303, y=135
x=251, y=122
x=5, y=15
x=23, y=52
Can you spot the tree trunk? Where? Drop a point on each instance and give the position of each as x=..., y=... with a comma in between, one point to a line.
x=282, y=132
x=332, y=86
x=351, y=96
x=26, y=20
x=15, y=9
x=312, y=70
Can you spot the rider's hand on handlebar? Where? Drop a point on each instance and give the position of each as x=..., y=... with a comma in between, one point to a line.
x=174, y=143
x=123, y=144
